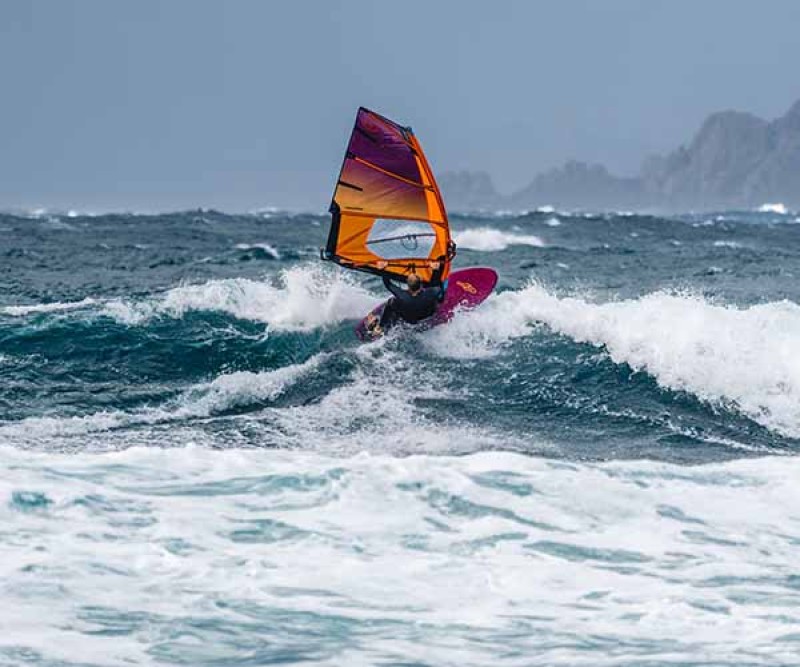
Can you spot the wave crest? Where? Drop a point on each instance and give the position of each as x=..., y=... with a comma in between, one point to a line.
x=742, y=357
x=21, y=311
x=226, y=392
x=301, y=299
x=488, y=239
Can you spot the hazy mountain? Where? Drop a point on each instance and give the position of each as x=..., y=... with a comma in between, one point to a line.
x=580, y=185
x=735, y=160
x=469, y=190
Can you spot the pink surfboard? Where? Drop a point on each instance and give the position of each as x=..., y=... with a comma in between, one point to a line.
x=466, y=288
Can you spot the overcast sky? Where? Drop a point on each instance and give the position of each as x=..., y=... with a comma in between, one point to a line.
x=155, y=104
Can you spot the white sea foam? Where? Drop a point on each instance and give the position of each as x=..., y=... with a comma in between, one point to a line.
x=233, y=390
x=778, y=208
x=553, y=222
x=487, y=239
x=745, y=357
x=268, y=212
x=53, y=214
x=727, y=244
x=301, y=298
x=224, y=393
x=266, y=247
x=368, y=413
x=19, y=311
x=494, y=558
x=362, y=413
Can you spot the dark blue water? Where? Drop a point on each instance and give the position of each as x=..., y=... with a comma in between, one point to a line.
x=204, y=467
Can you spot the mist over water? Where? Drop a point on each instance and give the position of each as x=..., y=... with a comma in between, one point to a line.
x=203, y=466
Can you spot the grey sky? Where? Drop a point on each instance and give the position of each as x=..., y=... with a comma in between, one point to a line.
x=158, y=104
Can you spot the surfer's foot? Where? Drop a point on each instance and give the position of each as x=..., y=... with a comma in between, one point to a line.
x=374, y=326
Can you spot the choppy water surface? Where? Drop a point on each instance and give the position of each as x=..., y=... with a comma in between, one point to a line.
x=201, y=465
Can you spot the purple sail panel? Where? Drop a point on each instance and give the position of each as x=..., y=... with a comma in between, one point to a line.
x=386, y=182
x=363, y=189
x=382, y=143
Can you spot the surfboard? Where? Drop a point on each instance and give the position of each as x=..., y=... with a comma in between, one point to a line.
x=466, y=289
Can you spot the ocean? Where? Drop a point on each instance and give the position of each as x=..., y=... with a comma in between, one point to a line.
x=200, y=464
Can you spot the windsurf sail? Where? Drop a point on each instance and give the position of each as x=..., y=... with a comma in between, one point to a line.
x=388, y=216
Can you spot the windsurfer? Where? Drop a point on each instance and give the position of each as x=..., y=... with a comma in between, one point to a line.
x=417, y=302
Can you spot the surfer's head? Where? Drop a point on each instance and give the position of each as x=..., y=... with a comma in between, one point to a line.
x=414, y=283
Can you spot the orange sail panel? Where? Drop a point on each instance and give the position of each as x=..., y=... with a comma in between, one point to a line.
x=388, y=215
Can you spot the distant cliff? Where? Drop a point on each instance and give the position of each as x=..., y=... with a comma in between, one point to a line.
x=735, y=160
x=469, y=191
x=580, y=185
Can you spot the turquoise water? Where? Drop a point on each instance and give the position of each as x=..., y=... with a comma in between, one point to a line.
x=201, y=465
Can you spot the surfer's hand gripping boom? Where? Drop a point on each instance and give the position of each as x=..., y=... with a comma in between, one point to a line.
x=433, y=264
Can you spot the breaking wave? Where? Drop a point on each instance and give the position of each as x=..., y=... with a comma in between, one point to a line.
x=300, y=299
x=266, y=248
x=225, y=557
x=249, y=441
x=740, y=357
x=224, y=393
x=21, y=311
x=487, y=239
x=778, y=208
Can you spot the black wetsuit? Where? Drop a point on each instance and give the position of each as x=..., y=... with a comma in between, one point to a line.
x=413, y=307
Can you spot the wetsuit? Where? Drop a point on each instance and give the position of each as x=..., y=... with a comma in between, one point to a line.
x=413, y=307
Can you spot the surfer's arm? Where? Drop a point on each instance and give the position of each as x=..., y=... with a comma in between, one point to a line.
x=436, y=279
x=394, y=289
x=388, y=284
x=436, y=274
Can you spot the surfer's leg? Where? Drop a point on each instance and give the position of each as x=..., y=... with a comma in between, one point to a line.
x=389, y=314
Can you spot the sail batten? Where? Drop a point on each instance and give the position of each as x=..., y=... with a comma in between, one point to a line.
x=389, y=173
x=388, y=214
